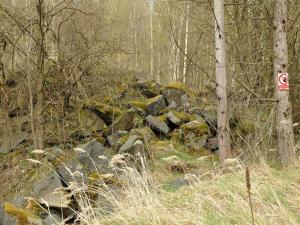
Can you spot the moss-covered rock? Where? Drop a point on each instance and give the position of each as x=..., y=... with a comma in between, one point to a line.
x=23, y=216
x=155, y=105
x=124, y=122
x=195, y=128
x=145, y=134
x=152, y=106
x=177, y=95
x=90, y=122
x=139, y=104
x=157, y=125
x=103, y=110
x=148, y=88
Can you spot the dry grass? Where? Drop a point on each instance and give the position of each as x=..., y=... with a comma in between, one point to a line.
x=221, y=199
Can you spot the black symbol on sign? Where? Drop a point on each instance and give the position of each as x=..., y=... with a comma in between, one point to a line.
x=283, y=78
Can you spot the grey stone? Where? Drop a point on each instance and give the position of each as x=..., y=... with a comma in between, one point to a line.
x=10, y=142
x=174, y=119
x=90, y=122
x=129, y=144
x=156, y=105
x=5, y=219
x=174, y=97
x=114, y=139
x=124, y=122
x=84, y=162
x=133, y=146
x=51, y=190
x=157, y=125
x=145, y=134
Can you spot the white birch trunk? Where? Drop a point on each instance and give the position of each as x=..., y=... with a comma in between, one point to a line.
x=285, y=134
x=221, y=79
x=151, y=42
x=177, y=66
x=186, y=44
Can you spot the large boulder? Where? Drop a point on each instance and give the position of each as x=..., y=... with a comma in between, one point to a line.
x=157, y=125
x=210, y=117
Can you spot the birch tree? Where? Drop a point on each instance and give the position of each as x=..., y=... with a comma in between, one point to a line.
x=221, y=80
x=186, y=42
x=285, y=135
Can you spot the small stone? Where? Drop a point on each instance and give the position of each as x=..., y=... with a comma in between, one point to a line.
x=174, y=119
x=157, y=125
x=133, y=146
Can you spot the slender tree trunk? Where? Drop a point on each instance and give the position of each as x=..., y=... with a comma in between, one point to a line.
x=186, y=44
x=221, y=79
x=151, y=42
x=41, y=64
x=135, y=11
x=177, y=61
x=285, y=134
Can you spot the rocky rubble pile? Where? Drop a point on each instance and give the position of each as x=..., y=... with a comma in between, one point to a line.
x=168, y=113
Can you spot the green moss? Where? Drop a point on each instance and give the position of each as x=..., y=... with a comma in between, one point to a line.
x=195, y=127
x=139, y=104
x=183, y=87
x=151, y=100
x=184, y=116
x=103, y=108
x=177, y=85
x=24, y=217
x=163, y=118
x=124, y=139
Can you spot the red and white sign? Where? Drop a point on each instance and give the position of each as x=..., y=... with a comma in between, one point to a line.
x=283, y=81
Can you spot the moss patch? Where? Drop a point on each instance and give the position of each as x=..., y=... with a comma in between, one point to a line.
x=23, y=216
